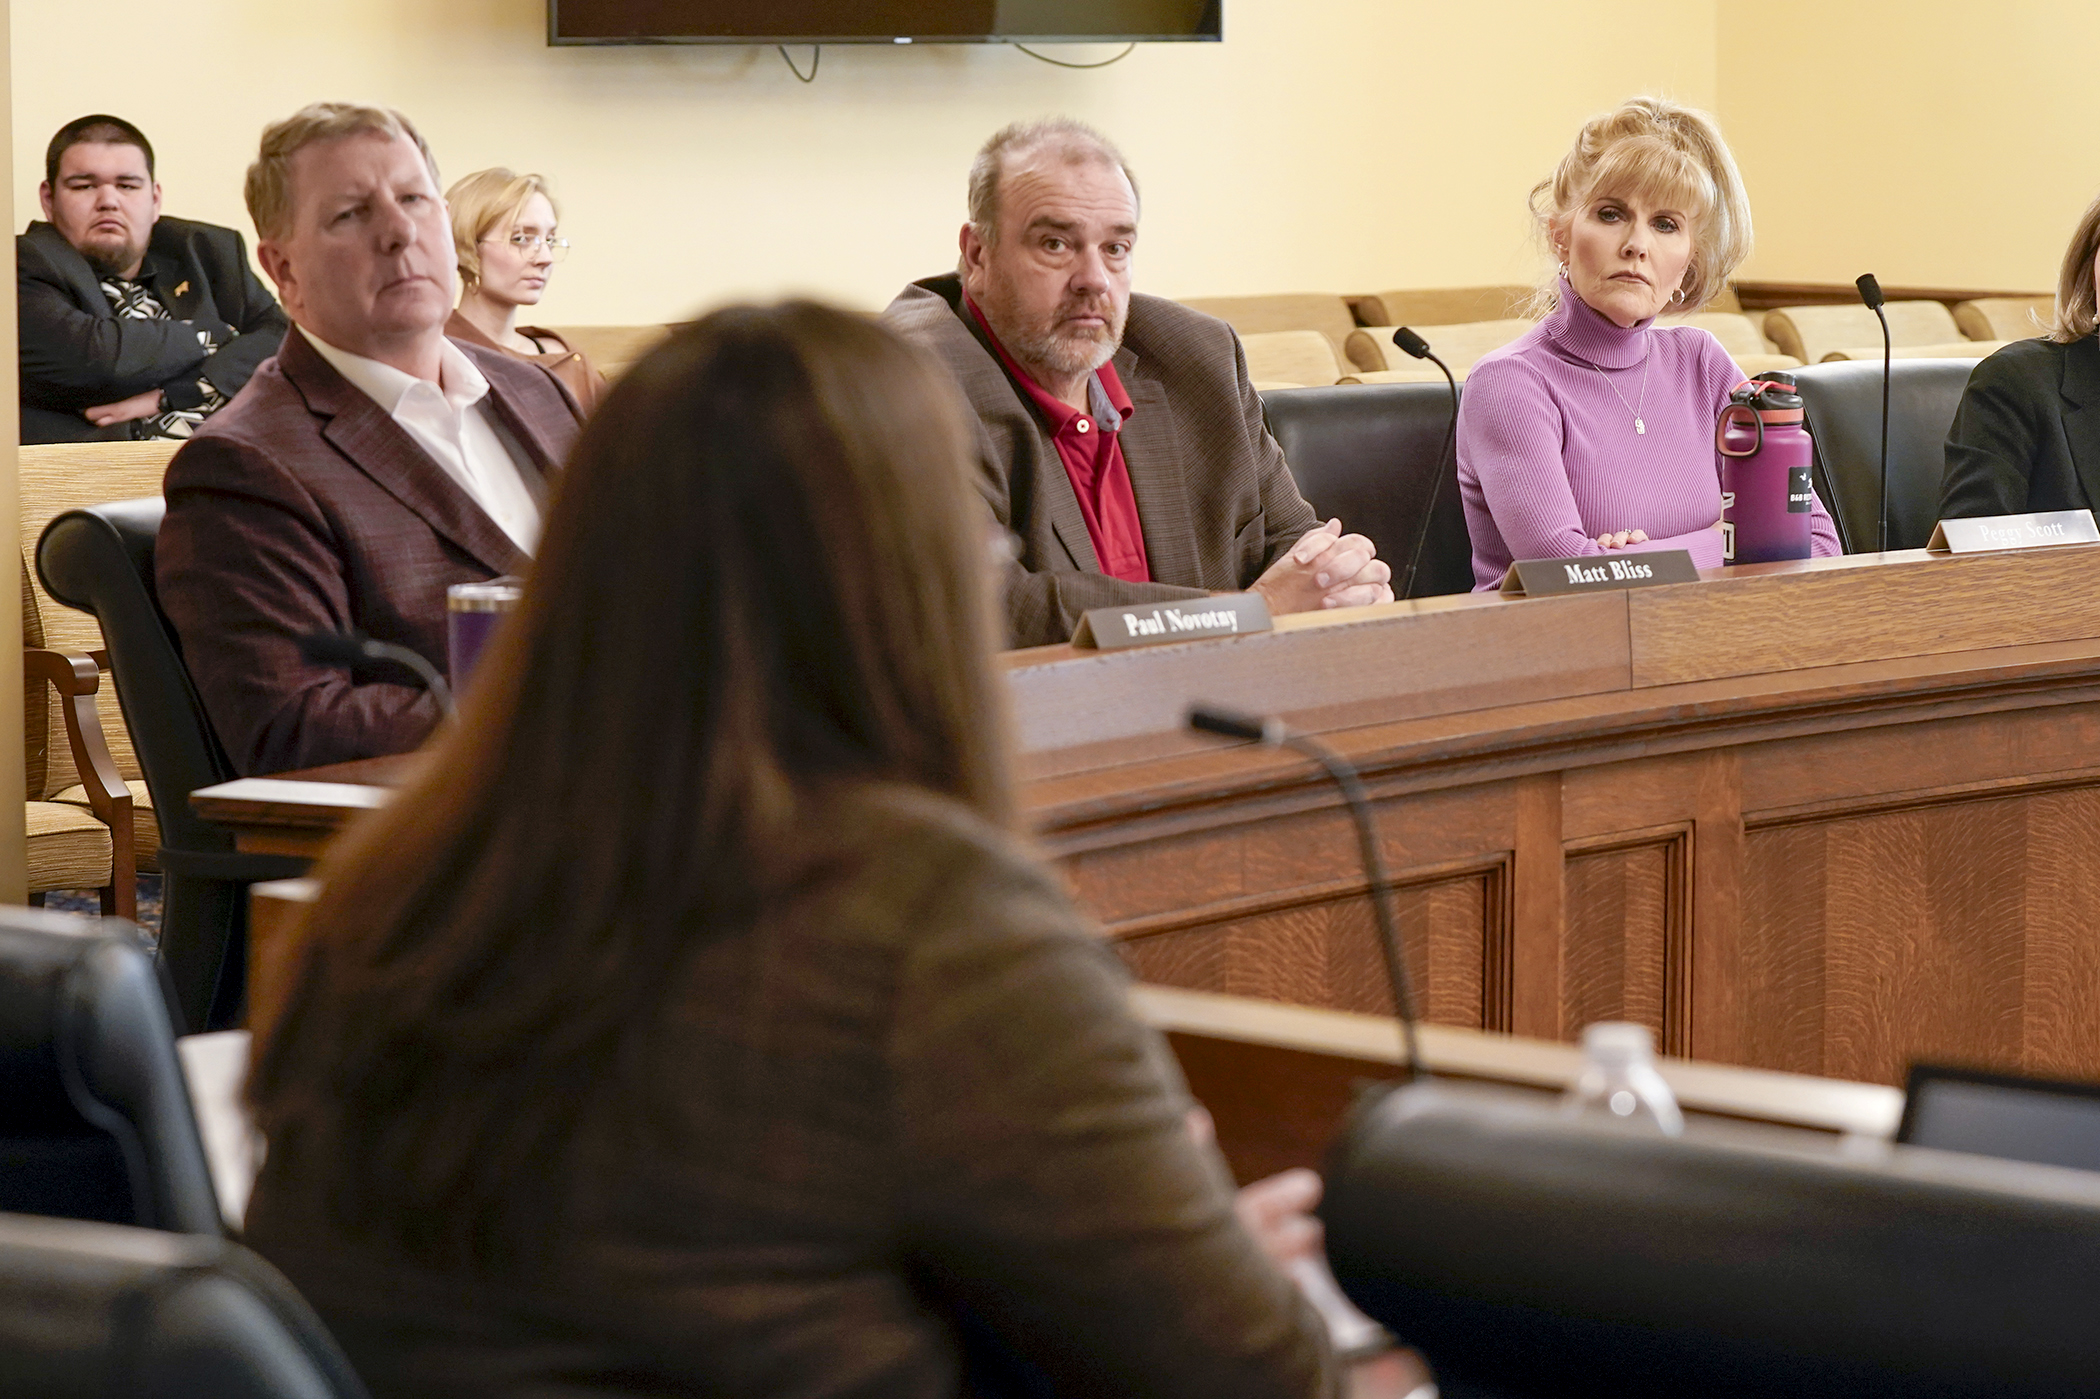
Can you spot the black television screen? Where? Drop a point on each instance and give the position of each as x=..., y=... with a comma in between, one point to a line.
x=878, y=21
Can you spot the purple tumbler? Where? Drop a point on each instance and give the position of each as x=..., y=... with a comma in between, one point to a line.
x=1767, y=499
x=471, y=613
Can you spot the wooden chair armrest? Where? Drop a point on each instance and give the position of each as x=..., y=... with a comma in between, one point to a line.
x=77, y=678
x=70, y=672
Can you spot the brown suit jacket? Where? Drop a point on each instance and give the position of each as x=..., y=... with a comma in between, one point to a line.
x=301, y=507
x=1215, y=498
x=912, y=1090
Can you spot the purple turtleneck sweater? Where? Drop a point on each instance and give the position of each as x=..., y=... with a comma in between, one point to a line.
x=1548, y=458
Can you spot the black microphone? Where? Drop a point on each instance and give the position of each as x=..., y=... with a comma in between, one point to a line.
x=1418, y=347
x=1870, y=292
x=1276, y=734
x=356, y=651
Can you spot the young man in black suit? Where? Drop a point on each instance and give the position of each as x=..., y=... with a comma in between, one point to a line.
x=132, y=325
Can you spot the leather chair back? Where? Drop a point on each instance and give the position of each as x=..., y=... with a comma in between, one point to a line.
x=92, y=1310
x=1370, y=454
x=100, y=560
x=95, y=1118
x=1529, y=1255
x=1844, y=415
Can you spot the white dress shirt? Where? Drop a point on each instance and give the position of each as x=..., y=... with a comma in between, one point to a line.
x=453, y=422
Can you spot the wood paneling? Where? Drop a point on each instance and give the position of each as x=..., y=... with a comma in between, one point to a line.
x=1320, y=948
x=1831, y=816
x=1778, y=617
x=1628, y=915
x=1423, y=656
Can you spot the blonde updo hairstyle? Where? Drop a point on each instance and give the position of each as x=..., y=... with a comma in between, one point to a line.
x=1656, y=152
x=483, y=202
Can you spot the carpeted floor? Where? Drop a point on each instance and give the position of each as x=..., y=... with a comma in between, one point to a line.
x=88, y=901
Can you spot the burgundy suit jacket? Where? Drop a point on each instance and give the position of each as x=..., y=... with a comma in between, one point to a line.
x=302, y=507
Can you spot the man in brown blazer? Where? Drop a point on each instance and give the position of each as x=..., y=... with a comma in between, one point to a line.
x=1121, y=442
x=368, y=466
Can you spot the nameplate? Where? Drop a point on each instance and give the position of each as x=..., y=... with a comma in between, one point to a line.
x=1986, y=533
x=1163, y=623
x=1598, y=573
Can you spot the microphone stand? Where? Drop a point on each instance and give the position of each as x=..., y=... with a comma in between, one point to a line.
x=1276, y=734
x=1415, y=345
x=1870, y=292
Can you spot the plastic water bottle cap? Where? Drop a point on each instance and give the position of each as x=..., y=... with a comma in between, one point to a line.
x=1616, y=1041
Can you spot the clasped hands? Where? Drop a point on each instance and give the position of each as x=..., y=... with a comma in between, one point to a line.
x=1324, y=569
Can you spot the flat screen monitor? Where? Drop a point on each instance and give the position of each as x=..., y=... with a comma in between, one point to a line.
x=2021, y=1119
x=879, y=21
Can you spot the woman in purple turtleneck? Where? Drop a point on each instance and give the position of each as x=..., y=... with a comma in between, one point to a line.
x=1594, y=432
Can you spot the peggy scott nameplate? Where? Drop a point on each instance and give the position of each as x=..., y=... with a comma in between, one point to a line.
x=1164, y=623
x=1598, y=573
x=1985, y=533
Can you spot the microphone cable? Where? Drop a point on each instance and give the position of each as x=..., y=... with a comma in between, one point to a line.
x=1415, y=345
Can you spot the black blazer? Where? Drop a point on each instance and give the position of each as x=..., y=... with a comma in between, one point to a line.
x=76, y=354
x=2027, y=434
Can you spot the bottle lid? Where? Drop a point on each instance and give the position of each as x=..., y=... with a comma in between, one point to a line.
x=1618, y=1041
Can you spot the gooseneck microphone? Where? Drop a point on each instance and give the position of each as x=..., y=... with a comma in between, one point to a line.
x=1870, y=292
x=1276, y=734
x=356, y=651
x=1418, y=347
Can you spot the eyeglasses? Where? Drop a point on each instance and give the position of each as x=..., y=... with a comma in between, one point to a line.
x=529, y=243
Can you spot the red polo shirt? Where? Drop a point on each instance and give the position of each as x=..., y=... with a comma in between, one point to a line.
x=1093, y=458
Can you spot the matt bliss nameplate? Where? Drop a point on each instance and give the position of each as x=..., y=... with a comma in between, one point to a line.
x=1988, y=532
x=1163, y=623
x=1598, y=573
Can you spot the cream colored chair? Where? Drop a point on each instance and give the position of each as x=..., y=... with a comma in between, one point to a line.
x=2005, y=317
x=55, y=479
x=1809, y=333
x=609, y=348
x=1298, y=358
x=1738, y=335
x=1440, y=306
x=1268, y=315
x=1460, y=346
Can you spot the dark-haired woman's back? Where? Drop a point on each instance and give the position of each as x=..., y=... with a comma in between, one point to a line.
x=911, y=1093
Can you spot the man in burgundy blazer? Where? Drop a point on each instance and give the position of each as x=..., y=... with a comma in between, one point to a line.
x=305, y=506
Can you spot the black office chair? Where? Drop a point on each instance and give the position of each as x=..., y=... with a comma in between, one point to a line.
x=88, y=1311
x=1529, y=1255
x=101, y=561
x=95, y=1118
x=1369, y=453
x=1844, y=415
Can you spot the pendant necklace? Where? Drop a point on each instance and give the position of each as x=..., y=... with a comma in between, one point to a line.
x=1639, y=426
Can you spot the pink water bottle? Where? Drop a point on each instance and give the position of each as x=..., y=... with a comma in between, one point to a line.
x=1767, y=497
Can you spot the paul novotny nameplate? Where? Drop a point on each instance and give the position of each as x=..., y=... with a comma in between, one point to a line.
x=1988, y=532
x=1598, y=573
x=1163, y=623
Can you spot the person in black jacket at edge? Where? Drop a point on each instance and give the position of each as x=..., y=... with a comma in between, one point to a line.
x=133, y=326
x=2026, y=438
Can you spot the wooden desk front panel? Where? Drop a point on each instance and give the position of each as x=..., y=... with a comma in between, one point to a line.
x=1837, y=902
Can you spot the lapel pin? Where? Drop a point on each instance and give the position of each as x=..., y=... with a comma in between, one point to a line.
x=180, y=289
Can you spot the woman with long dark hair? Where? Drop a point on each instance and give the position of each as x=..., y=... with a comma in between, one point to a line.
x=695, y=1023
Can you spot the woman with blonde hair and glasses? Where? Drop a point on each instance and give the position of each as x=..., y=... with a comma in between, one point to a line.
x=2020, y=442
x=503, y=229
x=1594, y=431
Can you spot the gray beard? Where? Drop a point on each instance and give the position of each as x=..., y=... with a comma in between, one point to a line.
x=1068, y=354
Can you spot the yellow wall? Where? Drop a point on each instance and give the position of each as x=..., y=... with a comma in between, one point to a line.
x=1339, y=145
x=1936, y=143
